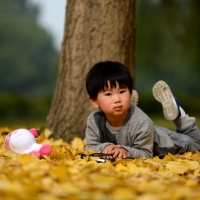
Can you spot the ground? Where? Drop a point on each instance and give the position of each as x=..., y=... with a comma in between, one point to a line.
x=65, y=175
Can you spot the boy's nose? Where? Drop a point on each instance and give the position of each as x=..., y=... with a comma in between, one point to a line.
x=117, y=98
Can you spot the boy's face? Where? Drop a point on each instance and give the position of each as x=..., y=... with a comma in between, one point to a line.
x=113, y=101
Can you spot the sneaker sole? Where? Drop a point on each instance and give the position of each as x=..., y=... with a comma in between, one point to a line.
x=162, y=93
x=134, y=98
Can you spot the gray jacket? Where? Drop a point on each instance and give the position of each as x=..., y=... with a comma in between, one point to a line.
x=136, y=134
x=140, y=137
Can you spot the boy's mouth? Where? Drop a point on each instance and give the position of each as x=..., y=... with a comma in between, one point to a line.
x=118, y=107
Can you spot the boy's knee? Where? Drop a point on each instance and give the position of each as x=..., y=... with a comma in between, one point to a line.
x=188, y=144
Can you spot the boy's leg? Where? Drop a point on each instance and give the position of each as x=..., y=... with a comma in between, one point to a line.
x=135, y=97
x=185, y=124
x=162, y=93
x=182, y=142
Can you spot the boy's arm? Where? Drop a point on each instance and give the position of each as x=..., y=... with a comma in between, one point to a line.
x=92, y=137
x=142, y=141
x=139, y=150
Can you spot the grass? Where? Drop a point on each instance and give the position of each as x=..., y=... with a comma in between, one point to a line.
x=15, y=123
x=161, y=121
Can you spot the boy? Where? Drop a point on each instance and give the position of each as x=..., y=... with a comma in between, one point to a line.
x=122, y=129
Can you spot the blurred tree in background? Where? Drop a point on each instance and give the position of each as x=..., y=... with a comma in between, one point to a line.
x=28, y=62
x=168, y=44
x=28, y=59
x=167, y=47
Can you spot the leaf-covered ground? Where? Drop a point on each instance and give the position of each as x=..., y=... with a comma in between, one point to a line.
x=64, y=175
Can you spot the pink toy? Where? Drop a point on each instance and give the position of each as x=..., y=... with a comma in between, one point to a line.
x=23, y=141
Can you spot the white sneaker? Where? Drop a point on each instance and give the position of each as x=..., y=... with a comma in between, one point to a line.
x=135, y=98
x=162, y=93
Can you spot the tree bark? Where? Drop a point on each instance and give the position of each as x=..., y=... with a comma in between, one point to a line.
x=95, y=30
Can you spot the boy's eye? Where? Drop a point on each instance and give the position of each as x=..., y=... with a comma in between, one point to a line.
x=122, y=91
x=107, y=94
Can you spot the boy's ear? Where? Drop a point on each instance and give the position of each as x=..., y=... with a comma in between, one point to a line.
x=93, y=102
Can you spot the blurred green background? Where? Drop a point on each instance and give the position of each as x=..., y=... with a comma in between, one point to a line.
x=168, y=47
x=28, y=65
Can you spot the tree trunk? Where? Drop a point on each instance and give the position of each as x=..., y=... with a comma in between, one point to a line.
x=95, y=30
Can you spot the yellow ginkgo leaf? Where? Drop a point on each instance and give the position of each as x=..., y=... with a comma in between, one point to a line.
x=64, y=174
x=77, y=144
x=47, y=133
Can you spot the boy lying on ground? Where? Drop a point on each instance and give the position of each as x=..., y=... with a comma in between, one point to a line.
x=122, y=129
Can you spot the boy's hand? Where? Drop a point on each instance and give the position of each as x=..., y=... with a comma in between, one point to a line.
x=116, y=150
x=110, y=148
x=119, y=153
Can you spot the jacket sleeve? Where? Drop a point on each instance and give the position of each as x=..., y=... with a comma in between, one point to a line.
x=142, y=141
x=92, y=136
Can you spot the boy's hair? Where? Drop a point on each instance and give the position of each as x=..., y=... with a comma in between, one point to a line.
x=102, y=72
